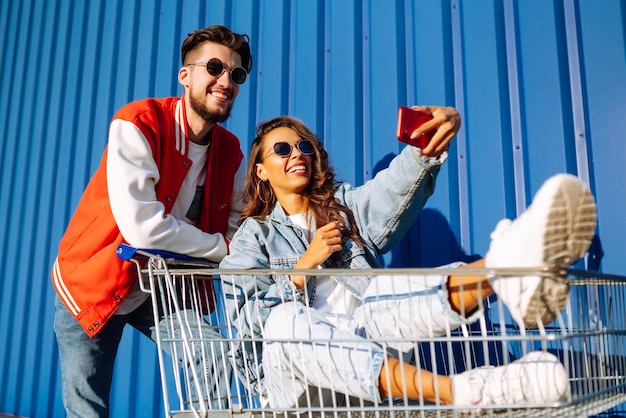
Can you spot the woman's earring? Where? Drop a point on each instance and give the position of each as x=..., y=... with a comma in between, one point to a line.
x=260, y=193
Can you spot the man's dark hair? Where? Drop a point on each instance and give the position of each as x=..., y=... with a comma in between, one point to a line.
x=219, y=35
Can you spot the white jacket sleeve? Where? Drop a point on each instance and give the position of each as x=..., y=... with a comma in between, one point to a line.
x=132, y=175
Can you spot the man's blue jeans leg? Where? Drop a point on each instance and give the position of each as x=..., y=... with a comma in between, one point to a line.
x=87, y=363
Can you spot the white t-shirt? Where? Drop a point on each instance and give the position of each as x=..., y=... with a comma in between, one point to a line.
x=332, y=300
x=198, y=154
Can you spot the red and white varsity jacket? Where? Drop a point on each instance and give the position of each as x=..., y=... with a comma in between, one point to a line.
x=87, y=274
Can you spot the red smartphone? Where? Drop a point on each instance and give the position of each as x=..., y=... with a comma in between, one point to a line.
x=408, y=121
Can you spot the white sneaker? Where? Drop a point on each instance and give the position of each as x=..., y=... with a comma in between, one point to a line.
x=556, y=230
x=537, y=378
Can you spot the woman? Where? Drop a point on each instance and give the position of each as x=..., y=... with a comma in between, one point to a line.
x=298, y=217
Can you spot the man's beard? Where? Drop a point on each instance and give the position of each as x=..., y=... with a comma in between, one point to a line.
x=211, y=117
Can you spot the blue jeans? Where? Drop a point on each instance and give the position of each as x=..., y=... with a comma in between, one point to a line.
x=307, y=360
x=87, y=363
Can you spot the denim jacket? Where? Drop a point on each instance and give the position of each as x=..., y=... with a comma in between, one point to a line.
x=384, y=208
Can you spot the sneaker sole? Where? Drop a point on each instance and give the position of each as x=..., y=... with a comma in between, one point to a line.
x=570, y=227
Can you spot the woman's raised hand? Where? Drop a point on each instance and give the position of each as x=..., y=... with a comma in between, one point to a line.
x=446, y=122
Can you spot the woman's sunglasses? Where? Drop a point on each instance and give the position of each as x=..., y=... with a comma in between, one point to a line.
x=216, y=68
x=283, y=149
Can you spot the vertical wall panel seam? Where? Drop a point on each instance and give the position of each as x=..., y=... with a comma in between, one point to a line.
x=461, y=139
x=47, y=390
x=363, y=39
x=6, y=174
x=254, y=52
x=73, y=122
x=110, y=98
x=152, y=69
x=410, y=61
x=29, y=372
x=326, y=127
x=55, y=377
x=321, y=62
x=291, y=58
x=134, y=67
x=259, y=62
x=5, y=6
x=152, y=86
x=286, y=103
x=5, y=39
x=401, y=50
x=91, y=112
x=7, y=171
x=228, y=13
x=8, y=313
x=178, y=29
x=517, y=143
x=363, y=137
x=578, y=104
x=200, y=12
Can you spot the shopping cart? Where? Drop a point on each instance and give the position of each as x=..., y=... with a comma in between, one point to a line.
x=196, y=344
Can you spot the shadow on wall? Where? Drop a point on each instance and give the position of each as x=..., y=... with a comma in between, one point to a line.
x=430, y=242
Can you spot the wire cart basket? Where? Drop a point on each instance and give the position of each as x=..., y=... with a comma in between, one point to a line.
x=195, y=343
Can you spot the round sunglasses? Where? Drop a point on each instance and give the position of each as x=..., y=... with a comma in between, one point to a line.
x=283, y=149
x=216, y=68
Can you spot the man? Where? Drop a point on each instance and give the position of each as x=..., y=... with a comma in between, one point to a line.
x=169, y=179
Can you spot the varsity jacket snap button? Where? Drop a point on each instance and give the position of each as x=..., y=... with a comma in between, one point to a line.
x=96, y=324
x=186, y=163
x=90, y=329
x=118, y=298
x=169, y=199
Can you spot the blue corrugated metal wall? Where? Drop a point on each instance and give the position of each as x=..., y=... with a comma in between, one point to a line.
x=541, y=87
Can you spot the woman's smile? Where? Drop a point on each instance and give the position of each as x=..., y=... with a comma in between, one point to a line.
x=298, y=168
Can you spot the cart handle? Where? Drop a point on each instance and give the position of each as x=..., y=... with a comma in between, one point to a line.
x=128, y=253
